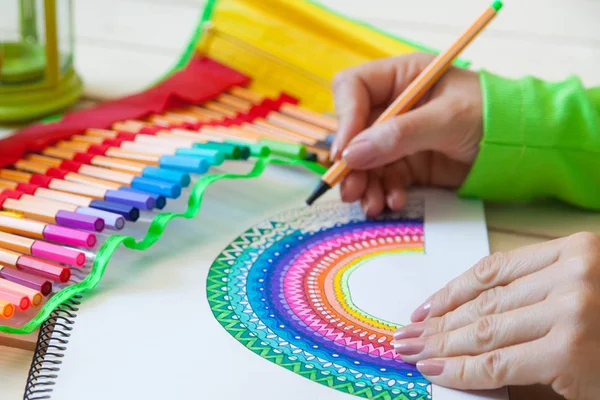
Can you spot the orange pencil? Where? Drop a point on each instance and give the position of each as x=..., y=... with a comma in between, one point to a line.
x=413, y=92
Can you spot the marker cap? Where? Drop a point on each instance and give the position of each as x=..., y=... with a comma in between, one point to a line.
x=79, y=221
x=112, y=221
x=212, y=156
x=130, y=213
x=26, y=279
x=167, y=175
x=159, y=201
x=68, y=236
x=184, y=163
x=167, y=189
x=43, y=268
x=57, y=253
x=141, y=201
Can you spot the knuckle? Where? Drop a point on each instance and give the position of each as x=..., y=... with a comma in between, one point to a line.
x=461, y=371
x=484, y=331
x=442, y=345
x=584, y=307
x=342, y=77
x=487, y=302
x=395, y=135
x=441, y=324
x=488, y=269
x=459, y=108
x=587, y=239
x=578, y=266
x=445, y=296
x=495, y=368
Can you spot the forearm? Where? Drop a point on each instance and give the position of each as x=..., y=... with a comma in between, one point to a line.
x=540, y=140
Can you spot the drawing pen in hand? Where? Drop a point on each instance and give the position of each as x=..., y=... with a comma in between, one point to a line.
x=407, y=99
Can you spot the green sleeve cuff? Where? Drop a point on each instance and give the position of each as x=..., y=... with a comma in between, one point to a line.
x=540, y=140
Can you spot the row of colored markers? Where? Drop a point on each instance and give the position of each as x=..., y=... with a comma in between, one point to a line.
x=53, y=204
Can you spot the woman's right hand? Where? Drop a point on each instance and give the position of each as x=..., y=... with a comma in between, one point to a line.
x=434, y=144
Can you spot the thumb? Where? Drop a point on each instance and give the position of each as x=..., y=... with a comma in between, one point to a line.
x=418, y=130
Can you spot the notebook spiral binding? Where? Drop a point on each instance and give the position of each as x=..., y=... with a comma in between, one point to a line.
x=50, y=348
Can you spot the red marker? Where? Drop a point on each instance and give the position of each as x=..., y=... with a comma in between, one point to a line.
x=34, y=296
x=35, y=266
x=20, y=300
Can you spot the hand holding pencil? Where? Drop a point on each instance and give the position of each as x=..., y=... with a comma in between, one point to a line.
x=427, y=135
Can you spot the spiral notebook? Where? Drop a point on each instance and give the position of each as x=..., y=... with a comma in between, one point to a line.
x=150, y=330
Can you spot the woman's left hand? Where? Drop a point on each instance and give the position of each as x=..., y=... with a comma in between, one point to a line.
x=524, y=317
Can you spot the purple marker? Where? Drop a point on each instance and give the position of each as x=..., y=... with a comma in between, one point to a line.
x=138, y=200
x=112, y=221
x=50, y=212
x=79, y=221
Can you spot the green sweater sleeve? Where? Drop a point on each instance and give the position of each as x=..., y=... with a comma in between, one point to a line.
x=541, y=140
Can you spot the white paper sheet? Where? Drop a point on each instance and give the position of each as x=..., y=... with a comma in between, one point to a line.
x=148, y=331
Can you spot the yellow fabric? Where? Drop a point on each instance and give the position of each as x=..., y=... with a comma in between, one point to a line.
x=294, y=46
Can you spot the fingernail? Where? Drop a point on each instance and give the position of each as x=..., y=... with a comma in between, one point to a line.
x=421, y=312
x=409, y=347
x=365, y=208
x=431, y=367
x=410, y=331
x=361, y=152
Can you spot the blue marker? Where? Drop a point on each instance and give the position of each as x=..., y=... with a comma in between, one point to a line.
x=160, y=201
x=194, y=165
x=169, y=189
x=212, y=156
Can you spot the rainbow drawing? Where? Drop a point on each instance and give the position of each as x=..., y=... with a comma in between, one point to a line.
x=281, y=289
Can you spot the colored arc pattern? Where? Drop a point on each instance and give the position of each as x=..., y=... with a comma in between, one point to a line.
x=282, y=290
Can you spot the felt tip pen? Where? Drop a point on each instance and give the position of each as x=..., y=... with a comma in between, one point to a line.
x=213, y=157
x=36, y=266
x=162, y=172
x=53, y=179
x=34, y=296
x=120, y=159
x=42, y=285
x=7, y=309
x=316, y=123
x=186, y=164
x=49, y=232
x=141, y=201
x=409, y=97
x=10, y=200
x=20, y=300
x=154, y=180
x=69, y=171
x=41, y=249
x=85, y=205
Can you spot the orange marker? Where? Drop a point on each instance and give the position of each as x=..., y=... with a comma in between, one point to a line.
x=7, y=310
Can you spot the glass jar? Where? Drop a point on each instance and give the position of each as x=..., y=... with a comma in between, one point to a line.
x=37, y=77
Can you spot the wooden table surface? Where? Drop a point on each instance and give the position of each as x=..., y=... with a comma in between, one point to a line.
x=124, y=45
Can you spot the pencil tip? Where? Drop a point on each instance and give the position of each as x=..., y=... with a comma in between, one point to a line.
x=319, y=191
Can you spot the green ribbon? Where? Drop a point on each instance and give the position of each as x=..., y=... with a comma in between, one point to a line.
x=155, y=231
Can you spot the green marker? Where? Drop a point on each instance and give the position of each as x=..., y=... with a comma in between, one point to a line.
x=284, y=149
x=256, y=149
x=231, y=151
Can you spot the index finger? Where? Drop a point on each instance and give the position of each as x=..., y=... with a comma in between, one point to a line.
x=358, y=90
x=499, y=269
